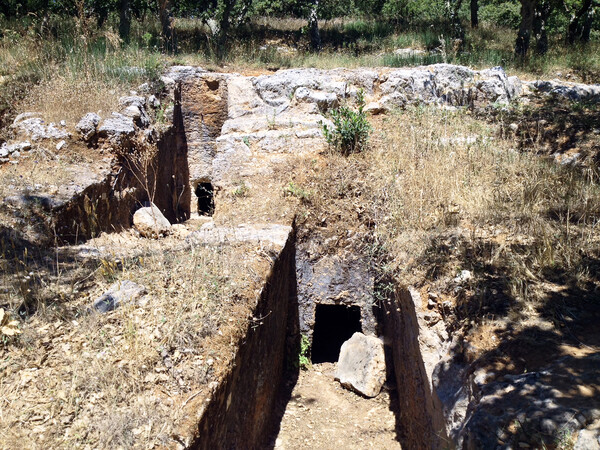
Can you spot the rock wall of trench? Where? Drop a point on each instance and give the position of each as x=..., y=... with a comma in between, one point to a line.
x=422, y=420
x=109, y=203
x=333, y=278
x=240, y=411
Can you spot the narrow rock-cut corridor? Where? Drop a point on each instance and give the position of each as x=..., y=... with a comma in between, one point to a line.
x=321, y=414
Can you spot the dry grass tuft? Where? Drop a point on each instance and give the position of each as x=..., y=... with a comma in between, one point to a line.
x=68, y=98
x=445, y=171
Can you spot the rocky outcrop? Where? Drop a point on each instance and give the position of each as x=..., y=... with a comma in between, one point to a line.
x=88, y=126
x=14, y=150
x=361, y=365
x=538, y=401
x=569, y=91
x=30, y=125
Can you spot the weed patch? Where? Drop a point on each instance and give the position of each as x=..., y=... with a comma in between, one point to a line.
x=351, y=129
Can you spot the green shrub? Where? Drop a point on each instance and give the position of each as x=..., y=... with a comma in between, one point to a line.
x=501, y=13
x=303, y=359
x=351, y=129
x=294, y=190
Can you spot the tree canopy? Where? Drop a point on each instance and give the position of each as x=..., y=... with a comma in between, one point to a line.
x=533, y=20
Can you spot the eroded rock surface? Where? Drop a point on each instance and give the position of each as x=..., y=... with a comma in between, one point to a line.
x=235, y=126
x=570, y=91
x=30, y=125
x=88, y=125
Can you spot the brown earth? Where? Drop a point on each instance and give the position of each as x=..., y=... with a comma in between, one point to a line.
x=321, y=414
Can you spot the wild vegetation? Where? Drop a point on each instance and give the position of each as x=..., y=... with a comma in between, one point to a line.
x=438, y=192
x=350, y=129
x=106, y=45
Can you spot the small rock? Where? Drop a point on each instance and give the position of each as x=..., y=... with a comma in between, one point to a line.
x=144, y=87
x=60, y=145
x=587, y=440
x=88, y=125
x=11, y=149
x=431, y=318
x=513, y=127
x=361, y=365
x=153, y=101
x=119, y=293
x=547, y=426
x=132, y=100
x=23, y=146
x=567, y=160
x=150, y=222
x=138, y=114
x=32, y=126
x=63, y=123
x=375, y=108
x=167, y=81
x=465, y=275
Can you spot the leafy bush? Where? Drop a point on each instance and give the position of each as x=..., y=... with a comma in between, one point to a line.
x=303, y=359
x=410, y=11
x=501, y=13
x=294, y=190
x=351, y=129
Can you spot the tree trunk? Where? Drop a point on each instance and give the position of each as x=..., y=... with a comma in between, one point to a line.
x=575, y=30
x=313, y=25
x=524, y=35
x=474, y=13
x=102, y=15
x=224, y=25
x=458, y=32
x=125, y=20
x=587, y=25
x=542, y=12
x=168, y=31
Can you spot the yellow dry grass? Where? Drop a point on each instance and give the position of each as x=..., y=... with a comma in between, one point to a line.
x=124, y=379
x=68, y=98
x=435, y=171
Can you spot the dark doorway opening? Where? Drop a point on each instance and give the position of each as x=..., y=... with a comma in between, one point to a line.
x=206, y=202
x=334, y=325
